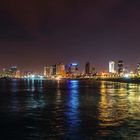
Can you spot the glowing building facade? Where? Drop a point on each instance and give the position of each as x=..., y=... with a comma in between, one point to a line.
x=73, y=70
x=60, y=69
x=48, y=71
x=112, y=67
x=138, y=69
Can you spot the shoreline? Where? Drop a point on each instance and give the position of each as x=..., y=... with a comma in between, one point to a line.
x=123, y=80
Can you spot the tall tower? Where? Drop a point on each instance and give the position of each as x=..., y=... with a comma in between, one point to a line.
x=120, y=67
x=87, y=68
x=111, y=66
x=138, y=68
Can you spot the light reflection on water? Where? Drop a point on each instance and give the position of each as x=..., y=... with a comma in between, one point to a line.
x=119, y=104
x=72, y=112
x=72, y=109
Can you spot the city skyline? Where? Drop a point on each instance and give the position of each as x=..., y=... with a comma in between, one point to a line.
x=112, y=66
x=36, y=33
x=69, y=69
x=108, y=66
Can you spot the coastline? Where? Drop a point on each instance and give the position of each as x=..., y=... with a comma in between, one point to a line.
x=123, y=80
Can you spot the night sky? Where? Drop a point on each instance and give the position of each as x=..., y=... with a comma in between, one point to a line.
x=35, y=33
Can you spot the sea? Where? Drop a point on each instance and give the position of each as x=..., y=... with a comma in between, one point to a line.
x=69, y=110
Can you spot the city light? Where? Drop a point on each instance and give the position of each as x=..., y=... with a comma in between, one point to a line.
x=127, y=75
x=74, y=64
x=116, y=70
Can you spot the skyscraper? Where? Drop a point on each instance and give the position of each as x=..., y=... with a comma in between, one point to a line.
x=111, y=66
x=18, y=74
x=138, y=68
x=53, y=70
x=87, y=68
x=48, y=71
x=60, y=69
x=10, y=72
x=120, y=67
x=73, y=69
x=93, y=71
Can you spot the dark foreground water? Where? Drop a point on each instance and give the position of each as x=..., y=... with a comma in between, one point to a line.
x=71, y=110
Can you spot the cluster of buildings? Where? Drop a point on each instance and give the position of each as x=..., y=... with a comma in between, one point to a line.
x=11, y=72
x=60, y=70
x=14, y=72
x=115, y=69
x=68, y=71
x=120, y=70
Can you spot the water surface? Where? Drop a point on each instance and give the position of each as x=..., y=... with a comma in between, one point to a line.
x=72, y=109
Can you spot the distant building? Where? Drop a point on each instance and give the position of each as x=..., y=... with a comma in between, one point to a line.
x=87, y=68
x=73, y=70
x=48, y=71
x=9, y=72
x=126, y=70
x=111, y=66
x=18, y=74
x=120, y=67
x=93, y=71
x=53, y=70
x=60, y=69
x=138, y=68
x=13, y=69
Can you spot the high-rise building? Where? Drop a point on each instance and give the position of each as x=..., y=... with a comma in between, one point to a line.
x=93, y=71
x=53, y=70
x=10, y=72
x=18, y=74
x=138, y=68
x=87, y=68
x=126, y=70
x=111, y=66
x=73, y=69
x=120, y=67
x=60, y=69
x=13, y=69
x=48, y=71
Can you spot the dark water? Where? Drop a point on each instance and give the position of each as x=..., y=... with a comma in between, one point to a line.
x=71, y=110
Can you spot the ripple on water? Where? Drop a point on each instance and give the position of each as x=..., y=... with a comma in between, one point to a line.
x=69, y=110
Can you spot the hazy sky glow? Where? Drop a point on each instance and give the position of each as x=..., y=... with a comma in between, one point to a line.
x=34, y=33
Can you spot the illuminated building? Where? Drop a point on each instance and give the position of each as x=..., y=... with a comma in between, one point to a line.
x=120, y=67
x=112, y=67
x=9, y=72
x=17, y=74
x=87, y=68
x=138, y=68
x=73, y=69
x=48, y=71
x=13, y=71
x=126, y=70
x=60, y=69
